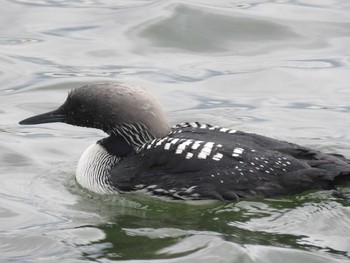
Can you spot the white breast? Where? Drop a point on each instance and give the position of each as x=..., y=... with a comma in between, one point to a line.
x=93, y=169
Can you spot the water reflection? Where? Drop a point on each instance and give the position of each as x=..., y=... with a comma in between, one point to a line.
x=194, y=231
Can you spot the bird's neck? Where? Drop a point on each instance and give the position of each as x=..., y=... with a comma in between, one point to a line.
x=93, y=171
x=116, y=145
x=127, y=137
x=94, y=167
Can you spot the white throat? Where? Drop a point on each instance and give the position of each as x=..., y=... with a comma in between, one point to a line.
x=93, y=169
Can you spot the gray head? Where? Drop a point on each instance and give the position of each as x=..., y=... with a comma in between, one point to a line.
x=111, y=107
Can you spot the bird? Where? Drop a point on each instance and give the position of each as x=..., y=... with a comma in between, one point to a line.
x=189, y=161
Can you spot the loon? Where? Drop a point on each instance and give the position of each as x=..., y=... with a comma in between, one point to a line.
x=189, y=161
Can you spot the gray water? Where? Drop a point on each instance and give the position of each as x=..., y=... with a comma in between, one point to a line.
x=278, y=68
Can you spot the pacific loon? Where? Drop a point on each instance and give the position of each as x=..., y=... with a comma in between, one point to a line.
x=187, y=161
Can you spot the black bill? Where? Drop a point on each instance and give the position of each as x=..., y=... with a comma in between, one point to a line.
x=52, y=116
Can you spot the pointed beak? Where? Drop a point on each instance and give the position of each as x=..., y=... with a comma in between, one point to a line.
x=52, y=116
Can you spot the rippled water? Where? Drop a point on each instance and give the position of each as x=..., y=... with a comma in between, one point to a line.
x=279, y=68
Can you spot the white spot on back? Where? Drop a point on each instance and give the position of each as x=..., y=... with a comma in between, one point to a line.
x=217, y=156
x=209, y=144
x=175, y=141
x=196, y=145
x=189, y=155
x=167, y=146
x=161, y=141
x=181, y=147
x=202, y=155
x=238, y=150
x=206, y=150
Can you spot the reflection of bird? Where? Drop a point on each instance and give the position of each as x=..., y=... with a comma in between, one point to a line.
x=189, y=160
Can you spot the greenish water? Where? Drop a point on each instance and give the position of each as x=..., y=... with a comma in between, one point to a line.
x=278, y=68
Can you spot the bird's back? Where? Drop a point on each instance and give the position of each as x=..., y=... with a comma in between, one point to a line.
x=199, y=161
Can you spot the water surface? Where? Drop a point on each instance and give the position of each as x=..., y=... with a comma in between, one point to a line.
x=278, y=68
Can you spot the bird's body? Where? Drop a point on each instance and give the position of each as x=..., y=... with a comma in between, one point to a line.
x=189, y=160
